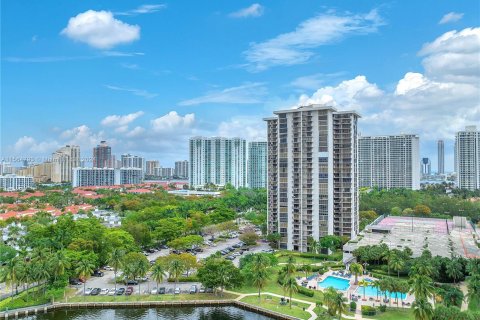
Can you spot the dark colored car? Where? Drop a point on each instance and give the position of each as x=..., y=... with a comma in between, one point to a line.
x=131, y=282
x=75, y=282
x=120, y=291
x=161, y=290
x=95, y=292
x=97, y=273
x=209, y=290
x=129, y=291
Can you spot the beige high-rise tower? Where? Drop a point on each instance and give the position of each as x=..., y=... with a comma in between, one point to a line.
x=63, y=161
x=312, y=174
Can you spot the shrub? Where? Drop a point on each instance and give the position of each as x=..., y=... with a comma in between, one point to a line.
x=305, y=291
x=185, y=279
x=368, y=311
x=382, y=307
x=353, y=306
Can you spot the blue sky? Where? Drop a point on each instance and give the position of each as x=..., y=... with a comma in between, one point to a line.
x=145, y=76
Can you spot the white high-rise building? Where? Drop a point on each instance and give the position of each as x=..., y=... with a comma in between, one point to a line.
x=151, y=165
x=441, y=157
x=467, y=158
x=12, y=182
x=257, y=164
x=389, y=161
x=312, y=175
x=218, y=160
x=132, y=161
x=181, y=169
x=426, y=167
x=63, y=161
x=83, y=177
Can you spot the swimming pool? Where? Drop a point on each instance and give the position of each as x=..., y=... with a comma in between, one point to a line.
x=372, y=292
x=337, y=283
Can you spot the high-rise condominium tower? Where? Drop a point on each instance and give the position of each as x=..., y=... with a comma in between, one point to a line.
x=218, y=160
x=426, y=167
x=63, y=161
x=312, y=174
x=389, y=161
x=131, y=161
x=441, y=157
x=257, y=164
x=102, y=156
x=467, y=158
x=181, y=169
x=151, y=165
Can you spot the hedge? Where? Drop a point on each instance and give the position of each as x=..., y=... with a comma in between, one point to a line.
x=368, y=311
x=305, y=291
x=337, y=256
x=185, y=279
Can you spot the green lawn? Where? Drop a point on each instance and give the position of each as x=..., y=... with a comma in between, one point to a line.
x=474, y=304
x=156, y=297
x=34, y=297
x=394, y=314
x=300, y=260
x=273, y=303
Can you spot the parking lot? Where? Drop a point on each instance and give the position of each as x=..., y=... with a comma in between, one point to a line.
x=107, y=281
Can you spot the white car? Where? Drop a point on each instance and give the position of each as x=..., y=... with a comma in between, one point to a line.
x=111, y=292
x=104, y=292
x=154, y=291
x=177, y=291
x=88, y=291
x=108, y=268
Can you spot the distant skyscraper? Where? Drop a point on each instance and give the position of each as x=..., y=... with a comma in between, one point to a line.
x=102, y=156
x=181, y=169
x=257, y=164
x=150, y=167
x=131, y=161
x=312, y=175
x=441, y=157
x=426, y=168
x=218, y=160
x=389, y=161
x=63, y=161
x=467, y=158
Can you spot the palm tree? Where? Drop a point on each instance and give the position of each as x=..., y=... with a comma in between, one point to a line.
x=356, y=269
x=364, y=284
x=340, y=305
x=473, y=266
x=454, y=269
x=397, y=264
x=376, y=284
x=115, y=260
x=473, y=286
x=84, y=269
x=389, y=256
x=175, y=269
x=142, y=267
x=306, y=269
x=158, y=273
x=290, y=285
x=422, y=267
x=421, y=286
x=329, y=296
x=59, y=263
x=259, y=272
x=10, y=273
x=422, y=309
x=403, y=288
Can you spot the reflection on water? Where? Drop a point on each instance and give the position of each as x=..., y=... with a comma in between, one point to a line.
x=180, y=313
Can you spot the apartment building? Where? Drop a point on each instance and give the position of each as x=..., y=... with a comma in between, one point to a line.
x=132, y=161
x=41, y=172
x=390, y=161
x=257, y=164
x=312, y=174
x=150, y=167
x=441, y=157
x=467, y=158
x=181, y=169
x=102, y=156
x=83, y=177
x=13, y=182
x=63, y=161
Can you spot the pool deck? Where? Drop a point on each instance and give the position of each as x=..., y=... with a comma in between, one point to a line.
x=351, y=292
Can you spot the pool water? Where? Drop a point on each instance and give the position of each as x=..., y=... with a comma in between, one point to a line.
x=372, y=292
x=336, y=283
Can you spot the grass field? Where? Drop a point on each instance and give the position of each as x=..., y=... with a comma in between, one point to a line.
x=156, y=297
x=474, y=304
x=394, y=314
x=273, y=303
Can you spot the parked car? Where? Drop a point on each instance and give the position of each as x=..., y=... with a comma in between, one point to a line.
x=177, y=291
x=104, y=292
x=111, y=292
x=97, y=273
x=163, y=246
x=120, y=291
x=202, y=290
x=154, y=291
x=209, y=290
x=108, y=268
x=88, y=291
x=161, y=290
x=75, y=282
x=193, y=289
x=231, y=258
x=131, y=282
x=95, y=292
x=129, y=291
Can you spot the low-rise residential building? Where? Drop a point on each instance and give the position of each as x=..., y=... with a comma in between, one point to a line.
x=84, y=177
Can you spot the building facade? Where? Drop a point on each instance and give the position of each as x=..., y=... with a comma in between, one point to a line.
x=389, y=161
x=63, y=161
x=132, y=161
x=257, y=164
x=312, y=175
x=102, y=156
x=426, y=167
x=217, y=160
x=41, y=172
x=181, y=169
x=84, y=177
x=13, y=182
x=150, y=167
x=441, y=157
x=467, y=158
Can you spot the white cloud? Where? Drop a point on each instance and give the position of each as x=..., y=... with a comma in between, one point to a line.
x=30, y=145
x=255, y=10
x=172, y=122
x=251, y=128
x=83, y=136
x=137, y=92
x=454, y=56
x=145, y=8
x=116, y=120
x=100, y=29
x=451, y=17
x=244, y=94
x=296, y=47
x=314, y=81
x=136, y=132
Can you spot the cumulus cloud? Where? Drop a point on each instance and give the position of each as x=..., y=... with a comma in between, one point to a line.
x=244, y=94
x=117, y=120
x=28, y=144
x=172, y=121
x=297, y=46
x=251, y=128
x=255, y=10
x=100, y=29
x=451, y=17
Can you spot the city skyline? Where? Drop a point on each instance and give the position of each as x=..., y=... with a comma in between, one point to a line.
x=146, y=94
